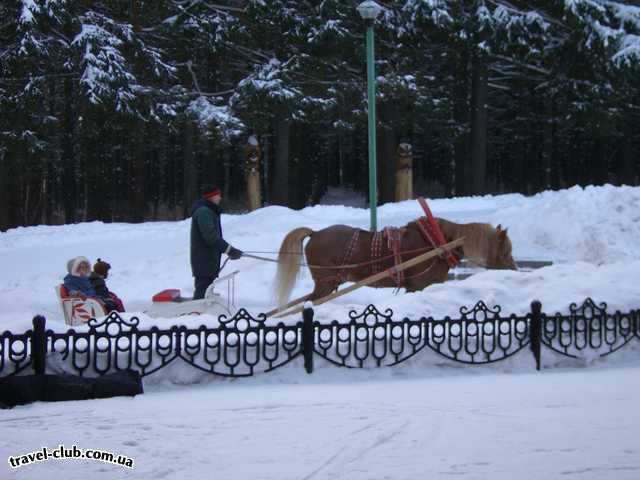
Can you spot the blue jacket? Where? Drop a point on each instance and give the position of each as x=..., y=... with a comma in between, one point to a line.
x=207, y=244
x=82, y=285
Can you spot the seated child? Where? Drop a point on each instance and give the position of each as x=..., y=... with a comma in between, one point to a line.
x=97, y=279
x=77, y=281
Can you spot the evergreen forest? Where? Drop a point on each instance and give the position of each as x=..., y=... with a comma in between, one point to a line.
x=121, y=110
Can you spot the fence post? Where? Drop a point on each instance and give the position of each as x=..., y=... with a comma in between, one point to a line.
x=535, y=329
x=307, y=339
x=38, y=345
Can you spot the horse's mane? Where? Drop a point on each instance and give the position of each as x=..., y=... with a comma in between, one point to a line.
x=450, y=232
x=477, y=239
x=477, y=236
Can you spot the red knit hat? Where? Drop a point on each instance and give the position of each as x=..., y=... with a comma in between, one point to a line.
x=210, y=192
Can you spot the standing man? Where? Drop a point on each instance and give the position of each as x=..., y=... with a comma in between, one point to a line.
x=207, y=244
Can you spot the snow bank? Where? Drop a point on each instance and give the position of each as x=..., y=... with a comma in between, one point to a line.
x=589, y=233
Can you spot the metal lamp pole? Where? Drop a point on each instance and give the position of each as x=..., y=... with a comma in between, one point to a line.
x=369, y=10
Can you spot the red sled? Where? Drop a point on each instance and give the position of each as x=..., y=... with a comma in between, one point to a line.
x=167, y=295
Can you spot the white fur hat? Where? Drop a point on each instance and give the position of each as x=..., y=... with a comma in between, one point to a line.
x=74, y=263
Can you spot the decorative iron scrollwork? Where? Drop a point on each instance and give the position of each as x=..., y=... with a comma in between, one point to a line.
x=480, y=312
x=588, y=309
x=114, y=324
x=371, y=316
x=15, y=352
x=370, y=338
x=109, y=344
x=479, y=336
x=588, y=330
x=239, y=346
x=244, y=345
x=242, y=321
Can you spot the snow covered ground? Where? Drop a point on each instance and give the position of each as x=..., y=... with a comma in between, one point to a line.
x=422, y=419
x=536, y=426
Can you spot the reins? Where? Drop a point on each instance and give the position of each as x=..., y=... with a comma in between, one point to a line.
x=337, y=267
x=249, y=254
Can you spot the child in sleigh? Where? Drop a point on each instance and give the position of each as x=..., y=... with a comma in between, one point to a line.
x=79, y=282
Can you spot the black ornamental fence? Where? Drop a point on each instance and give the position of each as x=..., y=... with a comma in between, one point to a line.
x=244, y=345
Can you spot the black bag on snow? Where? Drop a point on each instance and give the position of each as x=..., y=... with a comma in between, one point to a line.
x=23, y=389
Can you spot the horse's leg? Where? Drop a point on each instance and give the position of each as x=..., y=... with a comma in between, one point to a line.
x=323, y=287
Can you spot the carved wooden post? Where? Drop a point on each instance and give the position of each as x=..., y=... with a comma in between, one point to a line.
x=404, y=172
x=252, y=172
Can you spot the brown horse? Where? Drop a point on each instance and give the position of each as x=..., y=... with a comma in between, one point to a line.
x=332, y=247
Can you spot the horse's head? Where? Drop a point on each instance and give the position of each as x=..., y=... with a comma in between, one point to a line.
x=499, y=254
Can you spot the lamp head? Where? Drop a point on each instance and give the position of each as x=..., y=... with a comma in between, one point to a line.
x=369, y=10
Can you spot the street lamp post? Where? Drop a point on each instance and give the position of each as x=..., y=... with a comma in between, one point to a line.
x=369, y=10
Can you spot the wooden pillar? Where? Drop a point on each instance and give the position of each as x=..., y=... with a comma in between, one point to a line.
x=252, y=173
x=404, y=172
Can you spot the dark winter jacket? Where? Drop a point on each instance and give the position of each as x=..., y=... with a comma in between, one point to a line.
x=207, y=244
x=75, y=285
x=99, y=285
x=110, y=299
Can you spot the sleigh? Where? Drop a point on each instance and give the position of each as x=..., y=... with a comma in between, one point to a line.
x=78, y=310
x=170, y=303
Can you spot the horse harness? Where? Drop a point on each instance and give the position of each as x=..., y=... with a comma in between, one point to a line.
x=430, y=231
x=346, y=259
x=433, y=235
x=394, y=243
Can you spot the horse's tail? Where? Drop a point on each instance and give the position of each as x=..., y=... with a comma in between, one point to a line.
x=289, y=260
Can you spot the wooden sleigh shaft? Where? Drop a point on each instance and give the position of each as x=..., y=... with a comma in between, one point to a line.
x=447, y=247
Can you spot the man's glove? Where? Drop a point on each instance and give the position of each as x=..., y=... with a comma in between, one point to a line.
x=234, y=253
